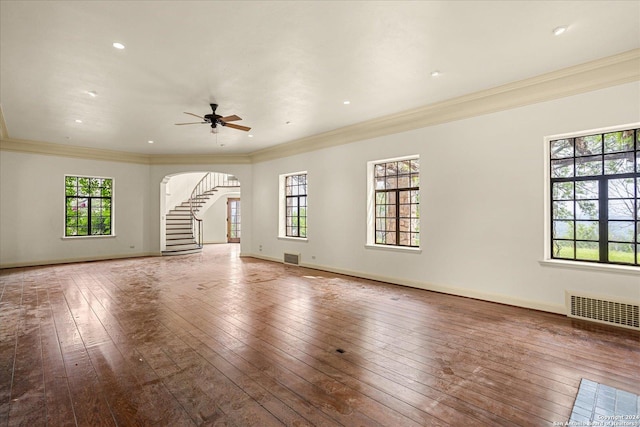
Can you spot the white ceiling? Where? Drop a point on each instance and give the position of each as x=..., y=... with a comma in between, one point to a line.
x=272, y=63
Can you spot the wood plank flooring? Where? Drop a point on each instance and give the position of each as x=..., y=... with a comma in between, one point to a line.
x=212, y=339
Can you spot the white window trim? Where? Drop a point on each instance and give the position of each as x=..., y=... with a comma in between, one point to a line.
x=371, y=209
x=96, y=236
x=581, y=265
x=546, y=250
x=294, y=239
x=392, y=248
x=282, y=201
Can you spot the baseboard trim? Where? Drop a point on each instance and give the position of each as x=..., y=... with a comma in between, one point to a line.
x=451, y=290
x=262, y=257
x=75, y=260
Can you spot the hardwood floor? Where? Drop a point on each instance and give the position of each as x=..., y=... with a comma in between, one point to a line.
x=212, y=339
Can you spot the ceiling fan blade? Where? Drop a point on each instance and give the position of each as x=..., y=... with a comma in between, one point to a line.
x=231, y=125
x=230, y=118
x=195, y=115
x=193, y=123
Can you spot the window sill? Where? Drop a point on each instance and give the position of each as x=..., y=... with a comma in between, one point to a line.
x=577, y=265
x=393, y=248
x=295, y=239
x=88, y=237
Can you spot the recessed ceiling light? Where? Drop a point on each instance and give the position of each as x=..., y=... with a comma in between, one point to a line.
x=92, y=93
x=118, y=45
x=435, y=73
x=346, y=102
x=559, y=30
x=150, y=141
x=250, y=136
x=78, y=121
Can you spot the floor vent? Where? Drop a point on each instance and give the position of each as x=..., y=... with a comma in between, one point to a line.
x=603, y=310
x=293, y=259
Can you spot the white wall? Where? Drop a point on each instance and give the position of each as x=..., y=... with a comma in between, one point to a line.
x=482, y=195
x=32, y=206
x=179, y=188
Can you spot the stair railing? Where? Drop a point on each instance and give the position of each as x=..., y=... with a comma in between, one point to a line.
x=209, y=182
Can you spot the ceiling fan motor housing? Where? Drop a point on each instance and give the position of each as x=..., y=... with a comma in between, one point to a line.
x=213, y=118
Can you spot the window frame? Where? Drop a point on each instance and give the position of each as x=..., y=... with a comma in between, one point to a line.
x=90, y=199
x=603, y=198
x=371, y=208
x=282, y=207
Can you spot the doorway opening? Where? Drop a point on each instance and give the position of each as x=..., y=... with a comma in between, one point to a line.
x=194, y=211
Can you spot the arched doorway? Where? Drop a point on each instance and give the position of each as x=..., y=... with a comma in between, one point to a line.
x=195, y=211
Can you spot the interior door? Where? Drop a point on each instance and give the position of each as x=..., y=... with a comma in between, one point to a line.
x=233, y=220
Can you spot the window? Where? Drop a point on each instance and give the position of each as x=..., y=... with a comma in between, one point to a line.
x=295, y=189
x=396, y=184
x=234, y=224
x=88, y=206
x=595, y=187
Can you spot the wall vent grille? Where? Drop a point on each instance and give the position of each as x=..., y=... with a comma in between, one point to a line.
x=293, y=259
x=602, y=310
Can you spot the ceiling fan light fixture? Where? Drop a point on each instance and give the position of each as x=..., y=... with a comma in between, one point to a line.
x=118, y=45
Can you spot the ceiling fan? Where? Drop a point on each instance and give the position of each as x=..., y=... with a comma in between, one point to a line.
x=215, y=119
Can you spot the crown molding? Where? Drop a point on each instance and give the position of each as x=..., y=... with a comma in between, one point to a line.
x=47, y=148
x=593, y=75
x=191, y=159
x=599, y=74
x=62, y=150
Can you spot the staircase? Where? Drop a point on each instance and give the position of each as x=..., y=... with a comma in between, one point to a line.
x=179, y=231
x=183, y=227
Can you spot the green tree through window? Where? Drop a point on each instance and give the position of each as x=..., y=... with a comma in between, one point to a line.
x=88, y=204
x=595, y=187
